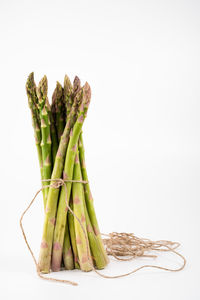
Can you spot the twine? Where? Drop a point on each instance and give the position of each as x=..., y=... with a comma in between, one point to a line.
x=118, y=245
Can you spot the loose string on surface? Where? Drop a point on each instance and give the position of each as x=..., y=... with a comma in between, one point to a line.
x=118, y=245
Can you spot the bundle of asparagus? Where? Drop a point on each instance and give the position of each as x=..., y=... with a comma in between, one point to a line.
x=59, y=142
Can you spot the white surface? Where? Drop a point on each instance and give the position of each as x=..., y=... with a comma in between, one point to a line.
x=142, y=142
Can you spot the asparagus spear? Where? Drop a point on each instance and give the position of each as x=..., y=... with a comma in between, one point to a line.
x=70, y=94
x=53, y=138
x=45, y=130
x=95, y=243
x=68, y=97
x=33, y=101
x=82, y=241
x=68, y=174
x=88, y=195
x=89, y=198
x=98, y=254
x=51, y=207
x=58, y=109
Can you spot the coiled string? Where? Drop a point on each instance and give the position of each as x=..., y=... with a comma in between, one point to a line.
x=122, y=246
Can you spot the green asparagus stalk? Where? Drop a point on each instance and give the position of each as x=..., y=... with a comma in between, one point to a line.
x=59, y=109
x=98, y=255
x=76, y=85
x=72, y=234
x=46, y=132
x=89, y=198
x=68, y=257
x=96, y=244
x=68, y=175
x=53, y=194
x=33, y=102
x=54, y=137
x=80, y=210
x=67, y=251
x=70, y=94
x=82, y=241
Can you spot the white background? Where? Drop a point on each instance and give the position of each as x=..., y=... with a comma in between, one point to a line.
x=142, y=135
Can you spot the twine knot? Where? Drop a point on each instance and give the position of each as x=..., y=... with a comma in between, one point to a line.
x=58, y=183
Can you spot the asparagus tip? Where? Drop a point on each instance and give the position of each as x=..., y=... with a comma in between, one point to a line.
x=67, y=86
x=57, y=94
x=76, y=84
x=42, y=87
x=87, y=93
x=30, y=82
